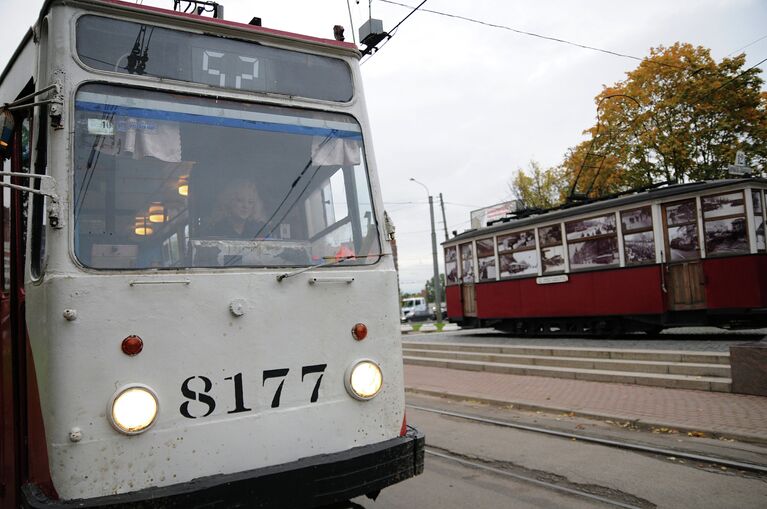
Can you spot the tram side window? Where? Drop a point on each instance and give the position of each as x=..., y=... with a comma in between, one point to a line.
x=451, y=265
x=517, y=254
x=467, y=263
x=486, y=260
x=339, y=216
x=23, y=165
x=6, y=226
x=552, y=251
x=39, y=218
x=166, y=181
x=681, y=230
x=638, y=236
x=758, y=201
x=592, y=243
x=724, y=218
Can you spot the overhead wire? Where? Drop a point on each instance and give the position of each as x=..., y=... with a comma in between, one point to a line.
x=747, y=45
x=406, y=17
x=351, y=21
x=533, y=34
x=463, y=205
x=562, y=41
x=734, y=78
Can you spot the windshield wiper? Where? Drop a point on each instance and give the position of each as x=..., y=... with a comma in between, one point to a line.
x=329, y=261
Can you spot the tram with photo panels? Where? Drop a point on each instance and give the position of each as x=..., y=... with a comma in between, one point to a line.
x=199, y=302
x=678, y=255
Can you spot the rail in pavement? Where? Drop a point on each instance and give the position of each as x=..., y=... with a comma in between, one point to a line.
x=708, y=371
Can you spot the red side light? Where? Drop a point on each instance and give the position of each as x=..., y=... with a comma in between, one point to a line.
x=132, y=345
x=403, y=429
x=360, y=331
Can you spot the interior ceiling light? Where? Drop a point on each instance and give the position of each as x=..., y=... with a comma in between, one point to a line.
x=156, y=212
x=142, y=226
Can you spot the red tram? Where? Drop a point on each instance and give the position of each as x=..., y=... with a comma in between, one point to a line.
x=679, y=255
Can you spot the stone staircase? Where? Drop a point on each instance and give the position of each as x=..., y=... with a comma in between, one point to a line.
x=707, y=371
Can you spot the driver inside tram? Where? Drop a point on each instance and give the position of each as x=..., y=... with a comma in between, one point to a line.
x=239, y=212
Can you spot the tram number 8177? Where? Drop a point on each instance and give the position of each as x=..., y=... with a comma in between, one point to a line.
x=205, y=398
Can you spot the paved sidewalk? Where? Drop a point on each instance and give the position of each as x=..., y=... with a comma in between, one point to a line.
x=729, y=415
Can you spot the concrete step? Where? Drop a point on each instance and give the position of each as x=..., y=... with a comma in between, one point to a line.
x=636, y=366
x=702, y=383
x=592, y=353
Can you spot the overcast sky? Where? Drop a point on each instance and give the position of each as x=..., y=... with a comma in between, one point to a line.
x=460, y=106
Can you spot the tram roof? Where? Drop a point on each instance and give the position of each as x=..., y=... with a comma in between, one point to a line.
x=129, y=7
x=567, y=211
x=220, y=22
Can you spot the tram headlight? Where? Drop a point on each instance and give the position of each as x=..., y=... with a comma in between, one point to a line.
x=133, y=409
x=364, y=379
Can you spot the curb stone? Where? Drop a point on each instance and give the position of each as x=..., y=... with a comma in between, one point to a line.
x=638, y=423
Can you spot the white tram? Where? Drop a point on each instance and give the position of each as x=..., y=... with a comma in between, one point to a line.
x=199, y=302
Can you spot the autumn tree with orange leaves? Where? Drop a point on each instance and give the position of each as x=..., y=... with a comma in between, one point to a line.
x=679, y=116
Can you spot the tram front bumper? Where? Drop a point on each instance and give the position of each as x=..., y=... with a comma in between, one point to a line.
x=308, y=482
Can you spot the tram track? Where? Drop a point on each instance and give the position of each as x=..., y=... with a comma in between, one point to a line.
x=618, y=444
x=550, y=485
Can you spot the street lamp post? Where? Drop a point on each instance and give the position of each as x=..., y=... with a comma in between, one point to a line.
x=436, y=282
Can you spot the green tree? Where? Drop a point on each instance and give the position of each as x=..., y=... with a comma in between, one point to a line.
x=429, y=289
x=680, y=116
x=537, y=187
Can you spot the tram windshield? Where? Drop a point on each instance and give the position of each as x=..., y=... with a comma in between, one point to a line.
x=164, y=181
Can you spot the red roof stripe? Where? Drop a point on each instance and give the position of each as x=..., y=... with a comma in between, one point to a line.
x=242, y=26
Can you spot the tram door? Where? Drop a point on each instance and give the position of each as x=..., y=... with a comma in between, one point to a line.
x=685, y=282
x=12, y=330
x=468, y=290
x=23, y=454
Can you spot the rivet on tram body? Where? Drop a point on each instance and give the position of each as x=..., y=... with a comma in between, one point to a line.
x=237, y=307
x=70, y=314
x=75, y=435
x=132, y=345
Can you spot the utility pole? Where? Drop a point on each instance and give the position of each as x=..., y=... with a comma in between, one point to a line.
x=444, y=221
x=436, y=282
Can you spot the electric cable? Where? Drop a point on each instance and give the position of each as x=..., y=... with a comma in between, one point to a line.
x=351, y=21
x=533, y=34
x=747, y=45
x=734, y=78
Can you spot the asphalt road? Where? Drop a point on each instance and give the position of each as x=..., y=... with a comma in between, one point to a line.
x=629, y=478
